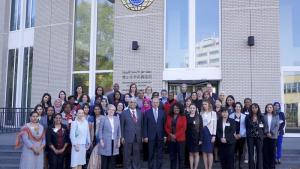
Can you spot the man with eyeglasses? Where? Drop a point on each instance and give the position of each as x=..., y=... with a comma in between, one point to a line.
x=131, y=126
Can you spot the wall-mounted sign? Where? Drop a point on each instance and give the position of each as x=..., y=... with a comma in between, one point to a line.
x=136, y=5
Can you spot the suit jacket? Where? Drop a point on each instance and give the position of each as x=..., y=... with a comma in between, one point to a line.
x=51, y=136
x=274, y=126
x=242, y=123
x=180, y=98
x=248, y=126
x=129, y=129
x=152, y=129
x=214, y=96
x=105, y=134
x=229, y=130
x=181, y=126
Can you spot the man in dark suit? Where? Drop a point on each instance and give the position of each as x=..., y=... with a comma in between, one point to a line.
x=154, y=134
x=131, y=126
x=110, y=95
x=209, y=88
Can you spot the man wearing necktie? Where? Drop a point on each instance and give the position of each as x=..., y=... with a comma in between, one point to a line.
x=154, y=134
x=131, y=127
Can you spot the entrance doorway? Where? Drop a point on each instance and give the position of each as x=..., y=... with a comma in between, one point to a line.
x=192, y=86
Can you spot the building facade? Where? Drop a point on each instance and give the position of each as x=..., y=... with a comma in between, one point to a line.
x=53, y=45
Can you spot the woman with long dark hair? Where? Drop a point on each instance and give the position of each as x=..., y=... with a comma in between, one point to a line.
x=175, y=128
x=281, y=115
x=195, y=101
x=95, y=158
x=46, y=100
x=47, y=119
x=194, y=135
x=133, y=90
x=40, y=111
x=271, y=124
x=78, y=93
x=57, y=141
x=230, y=104
x=255, y=133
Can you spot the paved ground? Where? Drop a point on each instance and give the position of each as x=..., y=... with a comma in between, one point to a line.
x=290, y=160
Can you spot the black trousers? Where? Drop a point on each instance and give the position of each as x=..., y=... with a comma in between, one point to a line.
x=176, y=151
x=155, y=153
x=239, y=150
x=108, y=162
x=56, y=161
x=226, y=154
x=269, y=153
x=132, y=155
x=258, y=144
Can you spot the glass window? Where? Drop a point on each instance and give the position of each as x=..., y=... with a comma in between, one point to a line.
x=81, y=79
x=207, y=32
x=177, y=45
x=291, y=97
x=290, y=32
x=15, y=15
x=30, y=14
x=82, y=35
x=105, y=80
x=105, y=34
x=27, y=76
x=12, y=71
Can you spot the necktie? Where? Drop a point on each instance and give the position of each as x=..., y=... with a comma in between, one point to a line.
x=134, y=117
x=155, y=115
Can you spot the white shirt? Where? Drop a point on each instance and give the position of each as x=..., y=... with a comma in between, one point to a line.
x=224, y=125
x=269, y=121
x=131, y=111
x=210, y=121
x=111, y=120
x=155, y=113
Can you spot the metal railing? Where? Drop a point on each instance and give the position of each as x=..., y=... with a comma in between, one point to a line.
x=12, y=119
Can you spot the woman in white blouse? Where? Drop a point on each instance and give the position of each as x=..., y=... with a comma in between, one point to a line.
x=80, y=138
x=209, y=133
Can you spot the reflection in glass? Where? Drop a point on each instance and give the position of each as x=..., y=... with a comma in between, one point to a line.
x=81, y=79
x=290, y=32
x=82, y=35
x=105, y=80
x=291, y=82
x=30, y=13
x=15, y=15
x=177, y=54
x=207, y=49
x=105, y=34
x=12, y=71
x=27, y=76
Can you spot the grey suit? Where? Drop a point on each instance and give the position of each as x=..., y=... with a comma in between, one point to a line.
x=105, y=134
x=274, y=126
x=132, y=134
x=180, y=98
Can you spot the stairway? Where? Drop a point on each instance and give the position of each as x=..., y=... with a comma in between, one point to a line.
x=9, y=157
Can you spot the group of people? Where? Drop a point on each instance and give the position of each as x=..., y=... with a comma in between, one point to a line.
x=113, y=129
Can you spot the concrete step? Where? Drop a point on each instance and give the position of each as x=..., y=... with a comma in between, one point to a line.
x=9, y=166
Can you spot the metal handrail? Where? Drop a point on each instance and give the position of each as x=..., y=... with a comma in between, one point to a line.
x=12, y=119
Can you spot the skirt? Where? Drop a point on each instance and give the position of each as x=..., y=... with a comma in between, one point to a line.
x=193, y=145
x=207, y=145
x=95, y=159
x=78, y=157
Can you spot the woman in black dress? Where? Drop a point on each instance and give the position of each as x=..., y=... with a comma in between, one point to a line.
x=194, y=131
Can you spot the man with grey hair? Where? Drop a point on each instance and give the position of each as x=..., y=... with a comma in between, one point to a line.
x=131, y=126
x=183, y=95
x=154, y=134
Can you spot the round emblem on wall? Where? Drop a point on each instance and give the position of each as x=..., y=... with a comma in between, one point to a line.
x=136, y=5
